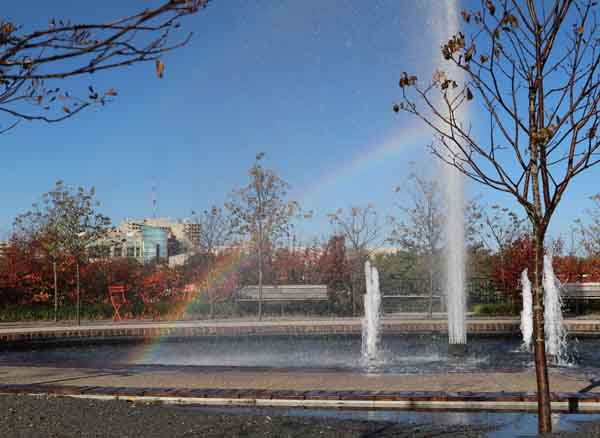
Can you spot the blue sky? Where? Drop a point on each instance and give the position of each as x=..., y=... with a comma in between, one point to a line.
x=311, y=83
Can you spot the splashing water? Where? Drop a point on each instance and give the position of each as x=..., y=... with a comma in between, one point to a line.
x=455, y=262
x=554, y=326
x=455, y=204
x=527, y=312
x=371, y=324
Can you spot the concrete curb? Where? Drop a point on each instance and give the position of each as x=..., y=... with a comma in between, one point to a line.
x=141, y=331
x=366, y=400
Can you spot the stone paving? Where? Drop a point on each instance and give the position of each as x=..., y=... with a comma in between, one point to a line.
x=302, y=380
x=513, y=391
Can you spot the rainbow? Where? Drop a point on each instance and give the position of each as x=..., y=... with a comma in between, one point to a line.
x=227, y=266
x=375, y=152
x=224, y=270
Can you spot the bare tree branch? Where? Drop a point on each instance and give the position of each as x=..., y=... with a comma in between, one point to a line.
x=31, y=61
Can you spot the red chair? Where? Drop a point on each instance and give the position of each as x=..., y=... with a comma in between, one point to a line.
x=117, y=299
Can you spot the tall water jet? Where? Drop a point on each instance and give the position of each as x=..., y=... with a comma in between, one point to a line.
x=448, y=25
x=455, y=259
x=527, y=312
x=554, y=325
x=371, y=323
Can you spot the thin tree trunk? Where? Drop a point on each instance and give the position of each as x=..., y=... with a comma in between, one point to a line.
x=431, y=286
x=537, y=166
x=210, y=289
x=78, y=294
x=55, y=291
x=353, y=288
x=503, y=277
x=356, y=286
x=541, y=368
x=260, y=280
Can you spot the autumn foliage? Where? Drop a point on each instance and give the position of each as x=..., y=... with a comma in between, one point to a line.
x=508, y=265
x=26, y=279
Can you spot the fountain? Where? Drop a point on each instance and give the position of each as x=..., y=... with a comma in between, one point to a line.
x=455, y=262
x=371, y=324
x=527, y=312
x=554, y=326
x=455, y=219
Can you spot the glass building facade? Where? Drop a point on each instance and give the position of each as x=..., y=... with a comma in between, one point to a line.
x=154, y=243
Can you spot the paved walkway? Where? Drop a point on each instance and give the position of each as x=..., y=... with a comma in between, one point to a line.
x=240, y=378
x=574, y=392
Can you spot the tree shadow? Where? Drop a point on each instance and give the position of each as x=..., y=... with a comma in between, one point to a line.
x=593, y=384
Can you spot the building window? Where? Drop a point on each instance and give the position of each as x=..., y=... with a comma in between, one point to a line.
x=130, y=251
x=138, y=251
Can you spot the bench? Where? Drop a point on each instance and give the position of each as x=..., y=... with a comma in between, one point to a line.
x=580, y=291
x=284, y=294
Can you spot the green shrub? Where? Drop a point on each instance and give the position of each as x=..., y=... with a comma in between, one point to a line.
x=200, y=308
x=46, y=313
x=591, y=307
x=495, y=309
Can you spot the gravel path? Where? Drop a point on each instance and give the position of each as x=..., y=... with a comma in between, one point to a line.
x=29, y=417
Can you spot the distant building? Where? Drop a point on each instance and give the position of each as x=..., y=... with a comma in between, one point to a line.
x=186, y=234
x=192, y=232
x=154, y=243
x=149, y=238
x=138, y=240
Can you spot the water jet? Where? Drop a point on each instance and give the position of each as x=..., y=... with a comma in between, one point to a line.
x=527, y=312
x=371, y=324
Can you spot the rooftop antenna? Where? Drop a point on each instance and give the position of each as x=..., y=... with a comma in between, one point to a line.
x=154, y=200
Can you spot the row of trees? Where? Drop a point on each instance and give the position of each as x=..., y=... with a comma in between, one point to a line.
x=30, y=278
x=65, y=226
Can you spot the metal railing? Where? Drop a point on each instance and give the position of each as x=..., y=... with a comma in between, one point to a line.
x=413, y=294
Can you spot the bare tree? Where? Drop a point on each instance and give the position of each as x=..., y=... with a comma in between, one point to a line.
x=261, y=212
x=419, y=229
x=589, y=228
x=361, y=230
x=30, y=61
x=532, y=69
x=496, y=228
x=216, y=230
